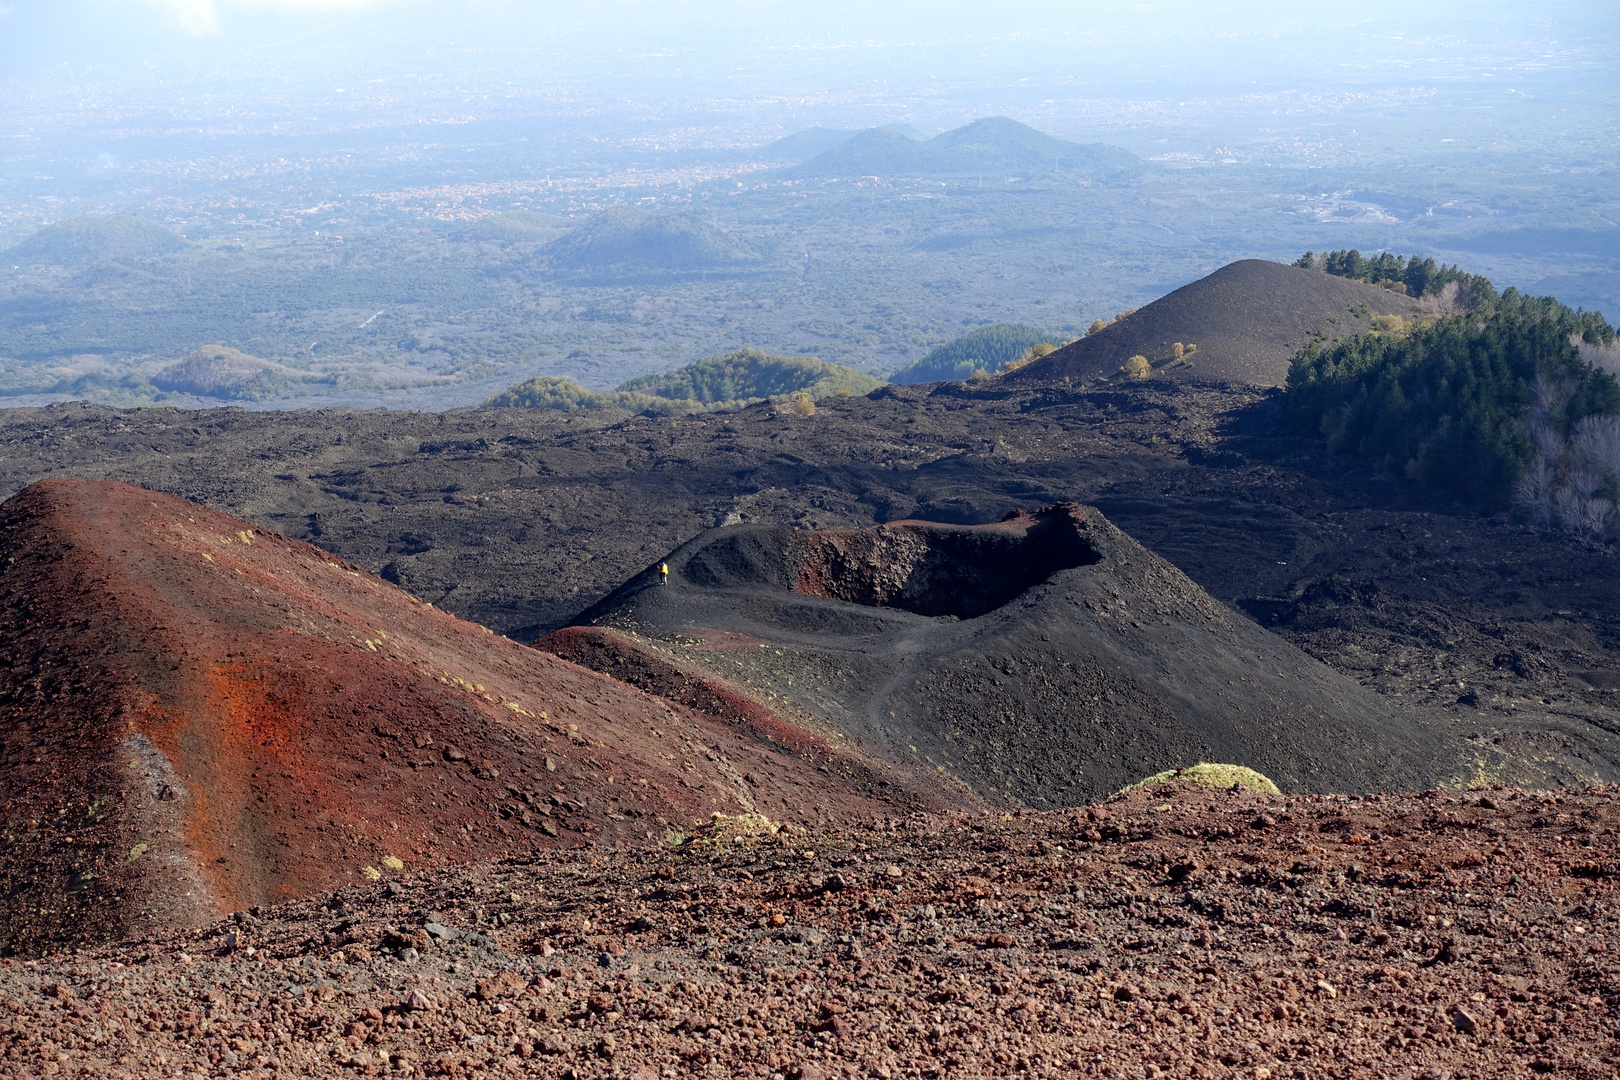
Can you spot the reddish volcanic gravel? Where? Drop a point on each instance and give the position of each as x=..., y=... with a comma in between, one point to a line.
x=1175, y=932
x=197, y=715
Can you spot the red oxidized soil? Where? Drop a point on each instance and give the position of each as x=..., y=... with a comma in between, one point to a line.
x=198, y=716
x=1177, y=932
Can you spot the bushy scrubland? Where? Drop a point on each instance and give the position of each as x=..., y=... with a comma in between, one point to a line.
x=734, y=380
x=748, y=375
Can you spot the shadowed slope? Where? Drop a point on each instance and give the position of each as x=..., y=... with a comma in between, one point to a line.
x=1044, y=660
x=1248, y=319
x=197, y=716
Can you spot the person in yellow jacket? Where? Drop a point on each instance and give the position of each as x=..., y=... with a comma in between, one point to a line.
x=663, y=573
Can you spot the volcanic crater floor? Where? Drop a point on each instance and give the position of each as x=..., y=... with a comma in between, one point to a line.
x=1177, y=931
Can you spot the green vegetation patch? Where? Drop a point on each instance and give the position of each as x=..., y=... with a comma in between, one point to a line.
x=84, y=240
x=748, y=375
x=218, y=371
x=1448, y=403
x=989, y=349
x=732, y=381
x=1212, y=775
x=555, y=392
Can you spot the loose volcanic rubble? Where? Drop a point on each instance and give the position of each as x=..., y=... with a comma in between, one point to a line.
x=1175, y=931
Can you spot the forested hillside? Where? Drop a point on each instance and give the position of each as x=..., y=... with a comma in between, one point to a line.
x=1468, y=403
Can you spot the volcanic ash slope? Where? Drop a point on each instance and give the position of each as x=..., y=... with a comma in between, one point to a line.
x=197, y=716
x=1248, y=319
x=1047, y=660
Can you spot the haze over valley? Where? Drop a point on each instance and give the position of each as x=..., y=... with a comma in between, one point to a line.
x=809, y=542
x=418, y=219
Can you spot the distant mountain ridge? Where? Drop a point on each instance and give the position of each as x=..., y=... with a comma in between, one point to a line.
x=82, y=241
x=802, y=145
x=994, y=148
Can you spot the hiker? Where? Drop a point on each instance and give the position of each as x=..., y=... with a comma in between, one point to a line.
x=663, y=573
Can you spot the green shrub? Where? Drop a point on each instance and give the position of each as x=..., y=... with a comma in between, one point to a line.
x=721, y=382
x=553, y=392
x=1031, y=354
x=1137, y=367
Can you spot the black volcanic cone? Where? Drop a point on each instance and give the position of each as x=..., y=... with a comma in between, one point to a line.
x=1248, y=319
x=1046, y=660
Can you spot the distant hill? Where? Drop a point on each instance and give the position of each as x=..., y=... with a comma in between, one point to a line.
x=217, y=371
x=81, y=241
x=1247, y=319
x=804, y=145
x=626, y=239
x=749, y=375
x=566, y=395
x=519, y=226
x=988, y=348
x=992, y=148
x=731, y=381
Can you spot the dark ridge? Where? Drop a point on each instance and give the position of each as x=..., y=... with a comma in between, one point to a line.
x=924, y=567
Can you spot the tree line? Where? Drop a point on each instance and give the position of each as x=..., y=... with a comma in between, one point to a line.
x=1411, y=276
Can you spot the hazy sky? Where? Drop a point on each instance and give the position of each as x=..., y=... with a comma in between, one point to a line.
x=1159, y=76
x=1178, y=42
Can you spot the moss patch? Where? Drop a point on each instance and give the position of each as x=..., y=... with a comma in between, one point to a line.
x=1211, y=775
